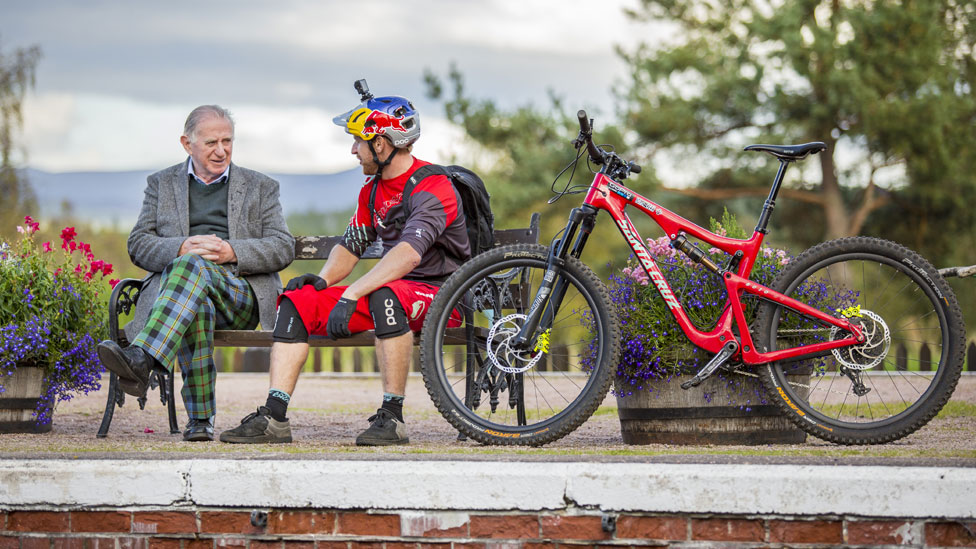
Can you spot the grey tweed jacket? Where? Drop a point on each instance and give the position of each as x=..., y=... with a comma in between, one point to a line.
x=256, y=227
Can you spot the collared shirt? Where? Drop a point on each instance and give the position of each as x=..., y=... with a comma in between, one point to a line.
x=191, y=173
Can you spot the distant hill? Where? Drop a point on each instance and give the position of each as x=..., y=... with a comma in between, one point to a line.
x=114, y=198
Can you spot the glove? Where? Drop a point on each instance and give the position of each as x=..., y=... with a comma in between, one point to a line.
x=338, y=323
x=316, y=281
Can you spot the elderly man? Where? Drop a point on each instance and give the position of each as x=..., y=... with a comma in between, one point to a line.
x=213, y=236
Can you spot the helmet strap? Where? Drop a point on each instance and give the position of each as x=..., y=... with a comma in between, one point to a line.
x=376, y=160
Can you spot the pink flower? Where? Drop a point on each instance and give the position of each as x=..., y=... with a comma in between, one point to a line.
x=113, y=282
x=107, y=269
x=68, y=234
x=32, y=225
x=96, y=266
x=20, y=229
x=46, y=246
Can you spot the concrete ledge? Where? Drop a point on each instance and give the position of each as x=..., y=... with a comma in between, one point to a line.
x=920, y=492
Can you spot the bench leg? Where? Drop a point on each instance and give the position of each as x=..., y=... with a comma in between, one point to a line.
x=173, y=427
x=113, y=386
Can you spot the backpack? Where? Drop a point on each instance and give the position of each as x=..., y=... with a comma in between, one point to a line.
x=475, y=206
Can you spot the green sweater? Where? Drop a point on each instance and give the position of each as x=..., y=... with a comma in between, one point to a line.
x=208, y=208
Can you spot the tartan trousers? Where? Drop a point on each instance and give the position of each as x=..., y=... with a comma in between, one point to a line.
x=196, y=296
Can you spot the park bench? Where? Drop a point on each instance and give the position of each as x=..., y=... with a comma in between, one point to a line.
x=126, y=292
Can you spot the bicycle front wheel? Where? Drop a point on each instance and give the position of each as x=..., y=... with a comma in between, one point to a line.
x=483, y=384
x=906, y=369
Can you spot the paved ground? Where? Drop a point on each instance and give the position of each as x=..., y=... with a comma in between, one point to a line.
x=328, y=411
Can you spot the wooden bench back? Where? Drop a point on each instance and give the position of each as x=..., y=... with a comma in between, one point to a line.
x=318, y=247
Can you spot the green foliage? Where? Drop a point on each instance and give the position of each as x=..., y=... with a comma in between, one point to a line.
x=888, y=83
x=16, y=76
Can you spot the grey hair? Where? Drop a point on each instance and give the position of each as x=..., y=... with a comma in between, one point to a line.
x=202, y=112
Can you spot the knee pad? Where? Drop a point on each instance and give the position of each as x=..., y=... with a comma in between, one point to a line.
x=389, y=317
x=289, y=327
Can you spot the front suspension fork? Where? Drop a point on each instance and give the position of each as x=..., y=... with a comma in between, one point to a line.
x=553, y=287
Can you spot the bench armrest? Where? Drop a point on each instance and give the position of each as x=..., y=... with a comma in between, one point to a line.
x=122, y=301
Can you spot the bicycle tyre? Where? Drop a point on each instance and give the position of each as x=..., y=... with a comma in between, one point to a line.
x=902, y=296
x=545, y=402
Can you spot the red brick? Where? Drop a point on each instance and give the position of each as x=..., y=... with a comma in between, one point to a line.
x=35, y=542
x=727, y=529
x=473, y=546
x=505, y=526
x=365, y=545
x=631, y=527
x=166, y=543
x=9, y=542
x=806, y=531
x=97, y=521
x=567, y=527
x=300, y=522
x=879, y=532
x=331, y=545
x=70, y=543
x=37, y=521
x=365, y=524
x=198, y=544
x=444, y=545
x=220, y=522
x=950, y=534
x=164, y=522
x=3, y=520
x=299, y=544
x=258, y=544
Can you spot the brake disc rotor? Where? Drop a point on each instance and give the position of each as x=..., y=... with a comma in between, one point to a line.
x=502, y=355
x=875, y=347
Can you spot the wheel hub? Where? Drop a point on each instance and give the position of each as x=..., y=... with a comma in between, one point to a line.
x=874, y=349
x=502, y=354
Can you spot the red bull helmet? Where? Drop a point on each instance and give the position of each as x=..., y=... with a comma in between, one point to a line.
x=392, y=116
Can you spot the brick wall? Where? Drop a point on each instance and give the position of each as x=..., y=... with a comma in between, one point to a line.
x=202, y=527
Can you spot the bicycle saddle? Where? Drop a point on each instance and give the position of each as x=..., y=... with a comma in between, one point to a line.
x=790, y=153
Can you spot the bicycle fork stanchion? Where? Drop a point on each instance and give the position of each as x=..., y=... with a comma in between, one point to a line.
x=553, y=288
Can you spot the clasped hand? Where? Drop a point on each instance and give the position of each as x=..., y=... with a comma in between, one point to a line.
x=210, y=247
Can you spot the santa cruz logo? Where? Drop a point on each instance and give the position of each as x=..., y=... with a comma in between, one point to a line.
x=630, y=233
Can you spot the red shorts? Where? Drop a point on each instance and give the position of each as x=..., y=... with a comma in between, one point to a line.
x=314, y=306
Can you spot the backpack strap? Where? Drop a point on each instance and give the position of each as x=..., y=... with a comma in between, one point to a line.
x=422, y=173
x=416, y=177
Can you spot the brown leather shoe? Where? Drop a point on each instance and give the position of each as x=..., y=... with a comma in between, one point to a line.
x=132, y=364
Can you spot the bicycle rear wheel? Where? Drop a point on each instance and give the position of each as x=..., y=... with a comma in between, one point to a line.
x=496, y=394
x=900, y=377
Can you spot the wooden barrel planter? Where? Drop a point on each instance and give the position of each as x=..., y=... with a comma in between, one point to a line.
x=668, y=414
x=22, y=391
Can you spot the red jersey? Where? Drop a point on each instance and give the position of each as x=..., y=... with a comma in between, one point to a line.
x=435, y=228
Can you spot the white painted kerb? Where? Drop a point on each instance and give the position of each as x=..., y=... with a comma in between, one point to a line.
x=916, y=492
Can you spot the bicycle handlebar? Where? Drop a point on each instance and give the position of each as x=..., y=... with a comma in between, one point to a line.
x=586, y=131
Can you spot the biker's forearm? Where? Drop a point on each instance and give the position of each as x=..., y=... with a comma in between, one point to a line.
x=396, y=264
x=340, y=263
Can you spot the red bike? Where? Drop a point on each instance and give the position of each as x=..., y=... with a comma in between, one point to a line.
x=541, y=336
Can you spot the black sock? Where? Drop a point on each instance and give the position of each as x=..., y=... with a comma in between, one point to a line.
x=393, y=404
x=277, y=404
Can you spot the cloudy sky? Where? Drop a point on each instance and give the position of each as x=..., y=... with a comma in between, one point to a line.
x=117, y=78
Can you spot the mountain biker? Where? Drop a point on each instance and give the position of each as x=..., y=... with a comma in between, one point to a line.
x=392, y=297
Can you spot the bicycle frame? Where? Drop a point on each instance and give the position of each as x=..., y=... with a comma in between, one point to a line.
x=605, y=194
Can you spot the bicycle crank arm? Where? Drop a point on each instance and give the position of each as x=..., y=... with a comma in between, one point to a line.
x=717, y=362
